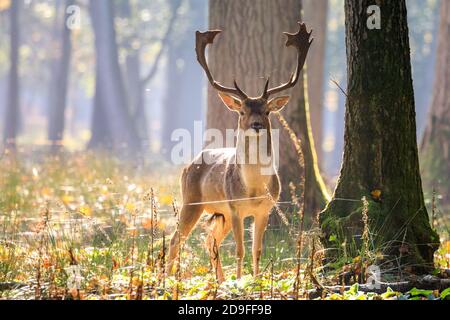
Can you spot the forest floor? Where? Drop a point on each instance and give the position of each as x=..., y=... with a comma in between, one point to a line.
x=85, y=226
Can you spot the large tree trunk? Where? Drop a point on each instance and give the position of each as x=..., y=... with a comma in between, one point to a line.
x=184, y=77
x=251, y=48
x=59, y=85
x=380, y=153
x=436, y=142
x=13, y=103
x=315, y=16
x=113, y=98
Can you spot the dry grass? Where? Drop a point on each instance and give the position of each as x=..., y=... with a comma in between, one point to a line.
x=110, y=221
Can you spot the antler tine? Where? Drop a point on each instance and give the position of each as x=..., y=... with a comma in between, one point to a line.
x=203, y=39
x=265, y=94
x=301, y=41
x=240, y=91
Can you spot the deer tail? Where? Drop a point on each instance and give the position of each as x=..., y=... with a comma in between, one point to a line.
x=215, y=218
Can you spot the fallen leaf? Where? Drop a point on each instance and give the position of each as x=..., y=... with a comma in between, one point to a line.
x=376, y=194
x=86, y=210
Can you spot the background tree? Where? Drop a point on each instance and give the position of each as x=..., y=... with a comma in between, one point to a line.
x=252, y=48
x=380, y=153
x=137, y=39
x=436, y=141
x=315, y=16
x=424, y=16
x=184, y=77
x=334, y=100
x=101, y=136
x=60, y=81
x=13, y=103
x=133, y=69
x=110, y=101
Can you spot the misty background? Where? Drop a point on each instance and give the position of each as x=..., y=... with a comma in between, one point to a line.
x=141, y=52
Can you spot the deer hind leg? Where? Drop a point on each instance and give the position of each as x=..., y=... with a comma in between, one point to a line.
x=259, y=227
x=238, y=232
x=220, y=229
x=189, y=216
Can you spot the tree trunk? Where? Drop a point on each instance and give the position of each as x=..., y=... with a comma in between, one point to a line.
x=184, y=76
x=101, y=137
x=380, y=153
x=136, y=96
x=13, y=103
x=315, y=16
x=59, y=85
x=134, y=86
x=251, y=48
x=112, y=92
x=436, y=142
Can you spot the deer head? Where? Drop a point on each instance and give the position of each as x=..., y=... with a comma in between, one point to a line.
x=254, y=111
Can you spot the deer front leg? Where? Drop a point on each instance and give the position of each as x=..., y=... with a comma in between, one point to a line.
x=189, y=216
x=259, y=227
x=238, y=232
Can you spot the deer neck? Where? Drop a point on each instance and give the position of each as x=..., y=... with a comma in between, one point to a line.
x=255, y=160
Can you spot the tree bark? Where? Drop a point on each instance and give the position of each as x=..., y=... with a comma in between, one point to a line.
x=380, y=153
x=112, y=92
x=101, y=137
x=59, y=85
x=435, y=149
x=251, y=48
x=315, y=16
x=13, y=102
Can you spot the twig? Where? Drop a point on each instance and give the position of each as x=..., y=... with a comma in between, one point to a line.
x=164, y=43
x=424, y=283
x=340, y=88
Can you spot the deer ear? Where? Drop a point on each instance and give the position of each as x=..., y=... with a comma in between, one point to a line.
x=277, y=104
x=232, y=103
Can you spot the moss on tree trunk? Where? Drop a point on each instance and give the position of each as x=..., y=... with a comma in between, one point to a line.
x=380, y=154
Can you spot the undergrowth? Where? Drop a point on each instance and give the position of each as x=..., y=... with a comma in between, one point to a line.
x=87, y=226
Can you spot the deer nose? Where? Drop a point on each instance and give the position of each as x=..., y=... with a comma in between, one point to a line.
x=257, y=126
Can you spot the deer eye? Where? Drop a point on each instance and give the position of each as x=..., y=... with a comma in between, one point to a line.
x=242, y=113
x=268, y=113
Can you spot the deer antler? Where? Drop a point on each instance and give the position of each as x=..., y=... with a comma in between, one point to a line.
x=301, y=41
x=203, y=39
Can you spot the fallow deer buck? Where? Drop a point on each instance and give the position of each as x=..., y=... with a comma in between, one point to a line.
x=226, y=186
